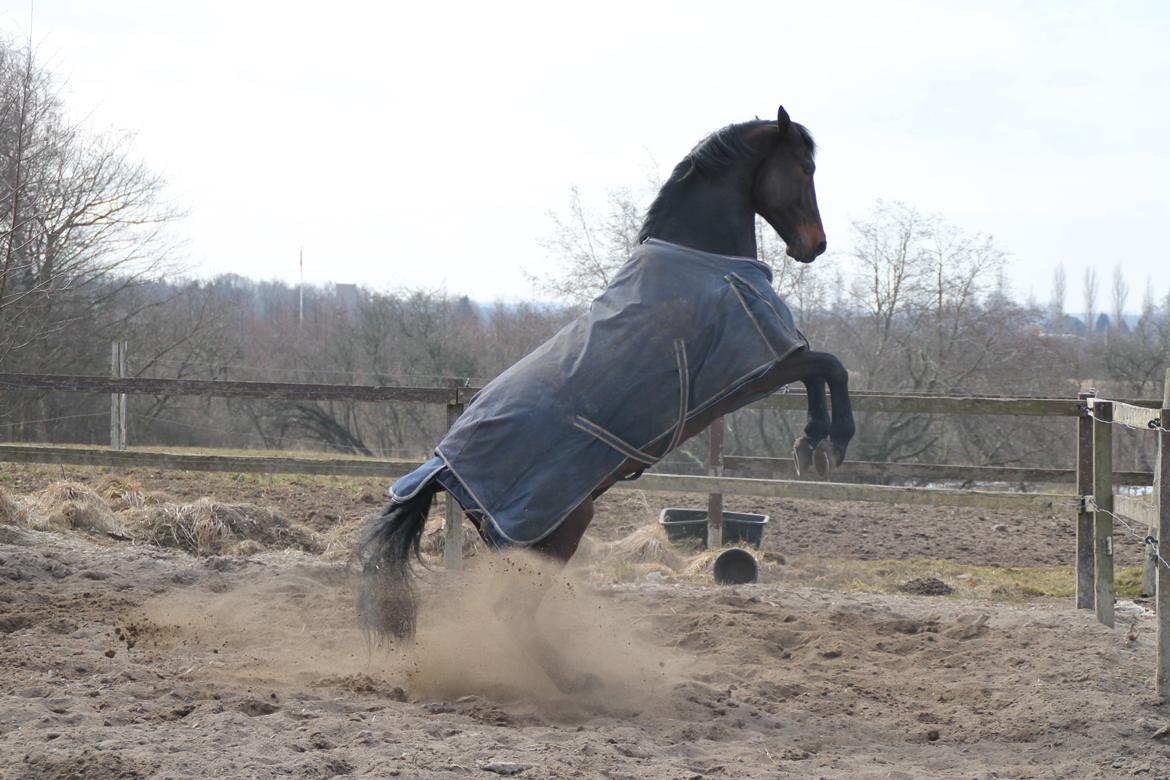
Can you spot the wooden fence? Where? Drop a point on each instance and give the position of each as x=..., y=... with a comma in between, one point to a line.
x=455, y=397
x=1145, y=519
x=1094, y=476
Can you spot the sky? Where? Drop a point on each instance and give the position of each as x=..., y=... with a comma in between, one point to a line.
x=423, y=145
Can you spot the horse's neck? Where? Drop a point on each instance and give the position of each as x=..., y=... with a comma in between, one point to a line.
x=712, y=217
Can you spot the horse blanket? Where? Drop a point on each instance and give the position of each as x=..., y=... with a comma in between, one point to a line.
x=675, y=332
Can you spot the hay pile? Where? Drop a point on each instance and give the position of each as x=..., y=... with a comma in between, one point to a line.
x=122, y=493
x=645, y=545
x=646, y=554
x=71, y=506
x=12, y=512
x=121, y=509
x=207, y=527
x=435, y=538
x=339, y=542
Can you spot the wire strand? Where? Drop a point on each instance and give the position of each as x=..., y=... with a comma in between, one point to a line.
x=1147, y=539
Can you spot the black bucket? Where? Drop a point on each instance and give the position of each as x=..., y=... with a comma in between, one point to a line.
x=738, y=527
x=736, y=566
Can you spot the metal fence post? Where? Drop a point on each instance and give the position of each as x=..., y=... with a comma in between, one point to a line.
x=1162, y=497
x=715, y=500
x=1102, y=519
x=1084, y=572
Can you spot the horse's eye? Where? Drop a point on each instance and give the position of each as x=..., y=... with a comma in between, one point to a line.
x=810, y=169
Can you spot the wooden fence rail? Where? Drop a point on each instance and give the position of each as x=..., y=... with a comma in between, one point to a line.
x=181, y=461
x=866, y=471
x=673, y=483
x=287, y=391
x=863, y=401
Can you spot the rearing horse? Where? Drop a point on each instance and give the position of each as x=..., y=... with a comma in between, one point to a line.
x=689, y=330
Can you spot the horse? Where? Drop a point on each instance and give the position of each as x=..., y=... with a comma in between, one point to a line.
x=689, y=330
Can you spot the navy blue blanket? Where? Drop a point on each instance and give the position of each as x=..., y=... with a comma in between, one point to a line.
x=676, y=331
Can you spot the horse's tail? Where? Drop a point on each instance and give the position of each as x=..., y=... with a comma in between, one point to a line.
x=386, y=601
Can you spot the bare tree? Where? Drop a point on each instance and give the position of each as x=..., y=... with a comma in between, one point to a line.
x=591, y=247
x=1119, y=297
x=1059, y=289
x=1148, y=306
x=82, y=221
x=1090, y=299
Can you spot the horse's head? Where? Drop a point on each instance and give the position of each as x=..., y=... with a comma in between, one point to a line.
x=783, y=192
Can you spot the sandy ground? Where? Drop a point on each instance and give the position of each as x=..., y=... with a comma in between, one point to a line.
x=124, y=660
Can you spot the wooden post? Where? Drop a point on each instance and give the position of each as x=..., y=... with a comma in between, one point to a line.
x=453, y=543
x=1162, y=497
x=1149, y=586
x=1103, y=522
x=715, y=500
x=1084, y=573
x=118, y=400
x=124, y=438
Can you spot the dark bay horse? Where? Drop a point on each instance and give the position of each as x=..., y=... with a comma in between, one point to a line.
x=689, y=330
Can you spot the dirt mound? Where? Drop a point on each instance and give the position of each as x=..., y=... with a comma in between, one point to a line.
x=926, y=586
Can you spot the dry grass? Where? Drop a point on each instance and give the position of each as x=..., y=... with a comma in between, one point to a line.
x=999, y=583
x=647, y=554
x=121, y=493
x=339, y=542
x=207, y=527
x=70, y=506
x=647, y=544
x=121, y=508
x=434, y=539
x=12, y=512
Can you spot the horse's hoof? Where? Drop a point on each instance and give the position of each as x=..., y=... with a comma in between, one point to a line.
x=825, y=459
x=582, y=683
x=802, y=456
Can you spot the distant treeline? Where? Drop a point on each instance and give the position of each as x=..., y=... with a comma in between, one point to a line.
x=234, y=328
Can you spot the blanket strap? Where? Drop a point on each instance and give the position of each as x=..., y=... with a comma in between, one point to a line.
x=684, y=392
x=629, y=450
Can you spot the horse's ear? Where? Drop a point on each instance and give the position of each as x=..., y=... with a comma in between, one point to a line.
x=782, y=120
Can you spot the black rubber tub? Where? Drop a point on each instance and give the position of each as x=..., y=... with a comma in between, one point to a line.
x=681, y=524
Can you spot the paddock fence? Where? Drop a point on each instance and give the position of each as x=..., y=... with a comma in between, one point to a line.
x=1094, y=479
x=1144, y=517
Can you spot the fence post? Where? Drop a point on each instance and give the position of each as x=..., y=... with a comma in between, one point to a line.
x=1162, y=497
x=453, y=541
x=118, y=400
x=1084, y=571
x=1102, y=520
x=1149, y=585
x=715, y=500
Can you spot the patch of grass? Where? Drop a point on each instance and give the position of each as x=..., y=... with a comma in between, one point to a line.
x=1008, y=583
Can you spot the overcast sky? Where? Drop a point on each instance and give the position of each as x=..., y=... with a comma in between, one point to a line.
x=423, y=144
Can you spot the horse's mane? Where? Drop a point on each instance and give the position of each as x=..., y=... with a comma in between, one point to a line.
x=712, y=156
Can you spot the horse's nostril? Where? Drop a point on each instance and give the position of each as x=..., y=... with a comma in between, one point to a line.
x=821, y=247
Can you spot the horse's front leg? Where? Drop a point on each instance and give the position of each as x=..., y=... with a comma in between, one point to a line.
x=804, y=449
x=831, y=453
x=521, y=599
x=826, y=437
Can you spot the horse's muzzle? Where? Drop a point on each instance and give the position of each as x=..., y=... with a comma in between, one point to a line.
x=807, y=255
